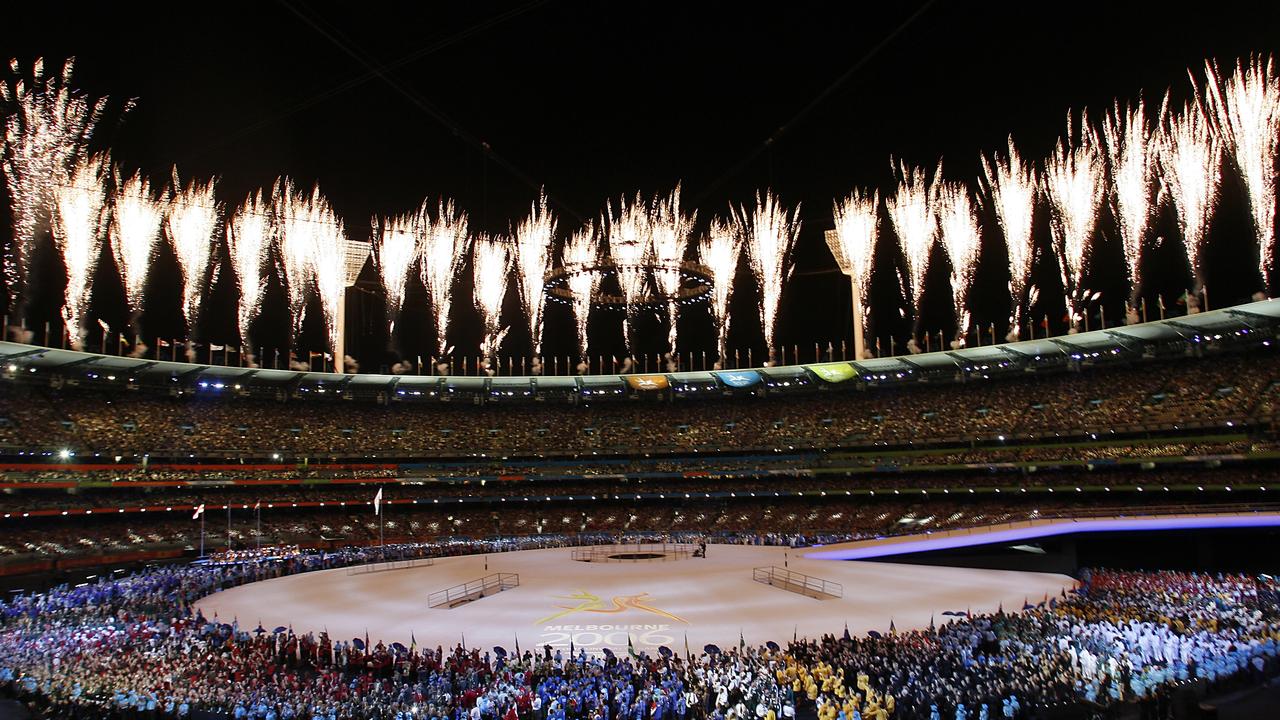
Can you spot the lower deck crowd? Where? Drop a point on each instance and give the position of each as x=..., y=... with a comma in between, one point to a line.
x=131, y=647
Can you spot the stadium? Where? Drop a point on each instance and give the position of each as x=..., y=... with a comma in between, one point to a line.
x=963, y=443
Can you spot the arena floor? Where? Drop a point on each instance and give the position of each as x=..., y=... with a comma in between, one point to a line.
x=597, y=605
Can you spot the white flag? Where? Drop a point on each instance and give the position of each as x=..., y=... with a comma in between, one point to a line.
x=199, y=512
x=377, y=503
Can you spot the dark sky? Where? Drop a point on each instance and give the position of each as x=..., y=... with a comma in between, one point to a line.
x=594, y=100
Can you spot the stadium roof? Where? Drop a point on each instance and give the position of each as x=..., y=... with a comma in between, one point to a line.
x=1252, y=322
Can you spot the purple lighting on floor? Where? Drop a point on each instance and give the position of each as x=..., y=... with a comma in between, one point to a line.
x=1063, y=527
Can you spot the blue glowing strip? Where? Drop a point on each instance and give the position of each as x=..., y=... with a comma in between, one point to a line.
x=1066, y=527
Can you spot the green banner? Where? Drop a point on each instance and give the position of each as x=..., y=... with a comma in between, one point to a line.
x=833, y=372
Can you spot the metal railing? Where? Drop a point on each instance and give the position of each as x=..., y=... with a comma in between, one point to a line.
x=797, y=582
x=634, y=552
x=474, y=590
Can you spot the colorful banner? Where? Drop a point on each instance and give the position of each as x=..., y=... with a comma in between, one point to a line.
x=833, y=372
x=738, y=378
x=647, y=382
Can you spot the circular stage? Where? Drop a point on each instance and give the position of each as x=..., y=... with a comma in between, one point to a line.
x=594, y=605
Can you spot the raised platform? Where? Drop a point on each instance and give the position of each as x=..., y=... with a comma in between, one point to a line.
x=807, y=585
x=634, y=552
x=385, y=565
x=464, y=593
x=599, y=605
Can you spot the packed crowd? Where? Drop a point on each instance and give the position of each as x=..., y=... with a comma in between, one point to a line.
x=133, y=647
x=136, y=499
x=1175, y=394
x=609, y=468
x=850, y=516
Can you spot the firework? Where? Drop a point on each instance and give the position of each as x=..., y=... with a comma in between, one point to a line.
x=630, y=249
x=579, y=257
x=45, y=131
x=1074, y=183
x=442, y=258
x=533, y=240
x=857, y=224
x=1131, y=153
x=719, y=253
x=297, y=245
x=1190, y=157
x=248, y=239
x=769, y=234
x=394, y=252
x=962, y=240
x=79, y=223
x=914, y=214
x=1246, y=110
x=135, y=232
x=191, y=222
x=670, y=232
x=329, y=268
x=1011, y=187
x=491, y=266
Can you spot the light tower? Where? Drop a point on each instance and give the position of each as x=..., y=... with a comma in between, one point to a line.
x=847, y=267
x=355, y=253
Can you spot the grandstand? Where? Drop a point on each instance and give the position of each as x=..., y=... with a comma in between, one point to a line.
x=418, y=484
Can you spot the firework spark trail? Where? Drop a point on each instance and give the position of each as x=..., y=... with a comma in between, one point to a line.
x=533, y=240
x=491, y=267
x=135, y=232
x=79, y=224
x=328, y=267
x=1011, y=188
x=44, y=133
x=1190, y=156
x=1074, y=183
x=248, y=239
x=1131, y=154
x=769, y=234
x=395, y=250
x=719, y=253
x=958, y=220
x=443, y=255
x=857, y=225
x=580, y=255
x=671, y=231
x=630, y=249
x=297, y=246
x=914, y=214
x=1246, y=108
x=191, y=222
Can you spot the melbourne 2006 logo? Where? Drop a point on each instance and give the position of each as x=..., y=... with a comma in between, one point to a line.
x=616, y=634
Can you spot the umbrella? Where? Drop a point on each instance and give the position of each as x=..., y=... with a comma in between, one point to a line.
x=874, y=634
x=664, y=651
x=710, y=649
x=399, y=647
x=358, y=643
x=500, y=651
x=279, y=630
x=772, y=646
x=608, y=653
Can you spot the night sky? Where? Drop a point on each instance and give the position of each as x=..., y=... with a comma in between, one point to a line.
x=486, y=102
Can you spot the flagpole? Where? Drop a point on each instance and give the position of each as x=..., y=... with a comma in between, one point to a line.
x=228, y=525
x=201, y=534
x=258, y=508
